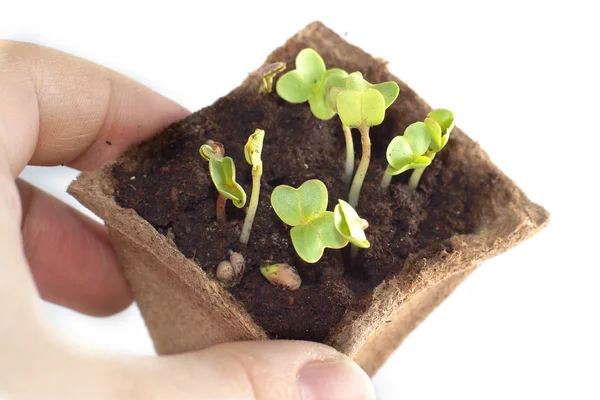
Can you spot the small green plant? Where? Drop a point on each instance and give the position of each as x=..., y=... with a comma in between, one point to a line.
x=222, y=173
x=253, y=152
x=360, y=105
x=313, y=227
x=269, y=72
x=417, y=148
x=304, y=209
x=350, y=225
x=307, y=83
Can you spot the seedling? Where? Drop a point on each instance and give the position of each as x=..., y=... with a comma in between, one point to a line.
x=283, y=275
x=268, y=73
x=222, y=172
x=253, y=151
x=307, y=83
x=351, y=227
x=418, y=147
x=361, y=105
x=313, y=227
x=407, y=152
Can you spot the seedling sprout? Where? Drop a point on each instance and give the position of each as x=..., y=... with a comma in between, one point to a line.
x=313, y=227
x=222, y=173
x=361, y=105
x=307, y=83
x=304, y=209
x=350, y=225
x=417, y=148
x=253, y=151
x=268, y=73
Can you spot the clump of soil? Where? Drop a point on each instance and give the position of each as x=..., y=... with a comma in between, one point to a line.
x=169, y=186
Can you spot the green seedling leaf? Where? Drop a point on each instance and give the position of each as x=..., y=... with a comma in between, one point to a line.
x=355, y=81
x=331, y=97
x=310, y=64
x=293, y=88
x=297, y=86
x=357, y=108
x=445, y=118
x=435, y=132
x=389, y=91
x=350, y=225
x=358, y=101
x=308, y=83
x=440, y=134
x=407, y=152
x=268, y=73
x=222, y=173
x=300, y=206
x=418, y=137
x=318, y=99
x=304, y=209
x=310, y=240
x=253, y=148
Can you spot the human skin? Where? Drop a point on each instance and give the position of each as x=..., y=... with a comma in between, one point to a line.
x=59, y=109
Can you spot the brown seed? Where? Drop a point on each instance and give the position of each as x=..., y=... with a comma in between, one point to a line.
x=238, y=262
x=217, y=147
x=283, y=275
x=225, y=272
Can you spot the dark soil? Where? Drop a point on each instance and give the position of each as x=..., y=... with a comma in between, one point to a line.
x=170, y=187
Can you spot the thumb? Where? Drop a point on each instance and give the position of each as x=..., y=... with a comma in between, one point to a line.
x=281, y=370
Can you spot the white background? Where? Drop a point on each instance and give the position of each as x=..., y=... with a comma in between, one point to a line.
x=522, y=78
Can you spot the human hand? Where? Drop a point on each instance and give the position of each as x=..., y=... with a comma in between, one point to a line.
x=58, y=109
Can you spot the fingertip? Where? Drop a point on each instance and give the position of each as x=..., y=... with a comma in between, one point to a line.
x=70, y=256
x=296, y=369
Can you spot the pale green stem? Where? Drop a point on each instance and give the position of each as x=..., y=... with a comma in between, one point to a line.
x=349, y=170
x=413, y=182
x=386, y=180
x=353, y=251
x=363, y=166
x=252, y=206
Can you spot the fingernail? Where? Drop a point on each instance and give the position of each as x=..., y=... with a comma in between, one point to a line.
x=338, y=380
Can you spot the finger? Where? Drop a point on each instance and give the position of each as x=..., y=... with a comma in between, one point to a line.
x=278, y=370
x=60, y=109
x=70, y=256
x=17, y=306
